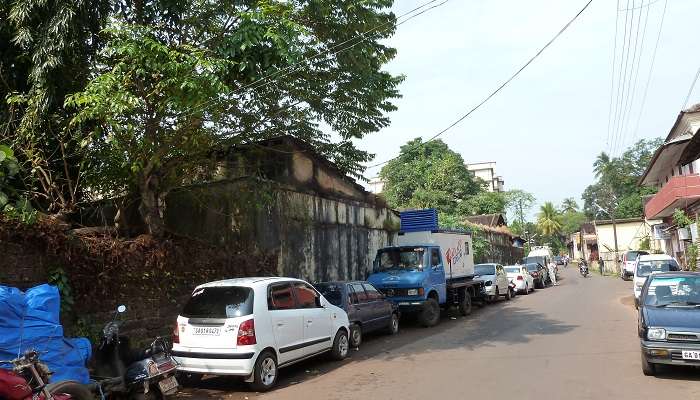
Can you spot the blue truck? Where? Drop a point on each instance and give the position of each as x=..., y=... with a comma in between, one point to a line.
x=430, y=269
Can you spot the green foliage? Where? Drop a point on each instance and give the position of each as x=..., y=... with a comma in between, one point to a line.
x=691, y=255
x=645, y=243
x=519, y=203
x=571, y=221
x=428, y=175
x=616, y=181
x=549, y=220
x=59, y=278
x=681, y=219
x=12, y=203
x=483, y=203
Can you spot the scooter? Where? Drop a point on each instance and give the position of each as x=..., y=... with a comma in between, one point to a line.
x=122, y=372
x=583, y=268
x=28, y=380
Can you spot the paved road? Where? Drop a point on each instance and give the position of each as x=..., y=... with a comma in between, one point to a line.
x=574, y=341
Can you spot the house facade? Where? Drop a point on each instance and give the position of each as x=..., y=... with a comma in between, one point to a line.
x=674, y=172
x=632, y=234
x=486, y=171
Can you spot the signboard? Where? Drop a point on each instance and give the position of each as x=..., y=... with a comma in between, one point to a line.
x=660, y=232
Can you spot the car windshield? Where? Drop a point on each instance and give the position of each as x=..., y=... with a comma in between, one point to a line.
x=673, y=292
x=512, y=270
x=633, y=255
x=646, y=267
x=532, y=267
x=332, y=292
x=403, y=258
x=219, y=302
x=485, y=269
x=534, y=259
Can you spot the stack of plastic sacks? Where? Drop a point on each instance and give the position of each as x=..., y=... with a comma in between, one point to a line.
x=30, y=321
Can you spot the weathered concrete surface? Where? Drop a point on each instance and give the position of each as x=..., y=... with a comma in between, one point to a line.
x=574, y=341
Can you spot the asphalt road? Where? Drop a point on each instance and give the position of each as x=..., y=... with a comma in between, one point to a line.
x=574, y=341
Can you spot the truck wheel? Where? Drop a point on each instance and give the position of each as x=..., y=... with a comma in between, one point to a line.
x=465, y=304
x=355, y=335
x=430, y=314
x=648, y=369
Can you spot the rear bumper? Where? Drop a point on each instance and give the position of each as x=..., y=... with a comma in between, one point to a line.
x=668, y=352
x=239, y=364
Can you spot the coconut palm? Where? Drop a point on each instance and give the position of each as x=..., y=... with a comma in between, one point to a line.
x=602, y=164
x=548, y=220
x=569, y=205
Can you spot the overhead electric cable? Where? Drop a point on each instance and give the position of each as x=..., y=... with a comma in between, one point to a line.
x=499, y=88
x=620, y=81
x=612, y=74
x=690, y=90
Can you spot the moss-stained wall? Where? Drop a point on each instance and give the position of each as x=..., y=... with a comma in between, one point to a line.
x=312, y=237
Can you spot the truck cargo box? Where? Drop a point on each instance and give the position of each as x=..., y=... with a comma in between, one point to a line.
x=455, y=246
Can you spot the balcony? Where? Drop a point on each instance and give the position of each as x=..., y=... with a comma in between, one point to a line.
x=680, y=192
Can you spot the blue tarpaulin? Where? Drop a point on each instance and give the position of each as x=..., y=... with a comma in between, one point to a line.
x=31, y=321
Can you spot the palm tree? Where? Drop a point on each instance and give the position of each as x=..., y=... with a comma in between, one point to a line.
x=569, y=205
x=602, y=164
x=548, y=220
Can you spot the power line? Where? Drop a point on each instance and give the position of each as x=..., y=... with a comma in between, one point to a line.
x=640, y=7
x=651, y=70
x=499, y=88
x=612, y=74
x=690, y=90
x=620, y=80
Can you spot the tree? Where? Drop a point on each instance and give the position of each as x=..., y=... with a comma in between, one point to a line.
x=428, y=175
x=178, y=80
x=569, y=205
x=548, y=220
x=519, y=203
x=483, y=203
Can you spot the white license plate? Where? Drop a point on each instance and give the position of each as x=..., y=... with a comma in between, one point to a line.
x=691, y=355
x=206, y=331
x=167, y=384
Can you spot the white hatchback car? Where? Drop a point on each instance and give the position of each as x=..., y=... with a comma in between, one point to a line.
x=251, y=327
x=520, y=276
x=495, y=280
x=649, y=264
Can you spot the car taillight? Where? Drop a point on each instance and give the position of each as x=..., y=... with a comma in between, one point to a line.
x=520, y=277
x=176, y=334
x=246, y=333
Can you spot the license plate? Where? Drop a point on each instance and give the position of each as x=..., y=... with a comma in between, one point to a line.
x=691, y=355
x=206, y=331
x=167, y=385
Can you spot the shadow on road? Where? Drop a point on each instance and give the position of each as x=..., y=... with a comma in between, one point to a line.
x=502, y=322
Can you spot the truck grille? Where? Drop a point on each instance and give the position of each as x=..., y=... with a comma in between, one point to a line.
x=391, y=292
x=682, y=337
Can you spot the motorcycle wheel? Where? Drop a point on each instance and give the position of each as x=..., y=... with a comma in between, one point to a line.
x=76, y=390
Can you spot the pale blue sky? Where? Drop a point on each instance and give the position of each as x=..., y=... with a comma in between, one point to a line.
x=544, y=129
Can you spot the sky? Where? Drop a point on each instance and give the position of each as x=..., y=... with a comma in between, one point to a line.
x=545, y=129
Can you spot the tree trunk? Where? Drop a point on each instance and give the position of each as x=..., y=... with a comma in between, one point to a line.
x=150, y=206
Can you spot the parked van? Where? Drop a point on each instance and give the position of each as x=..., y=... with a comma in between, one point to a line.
x=251, y=327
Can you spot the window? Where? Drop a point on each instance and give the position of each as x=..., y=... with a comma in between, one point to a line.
x=219, y=302
x=306, y=295
x=466, y=247
x=359, y=293
x=372, y=293
x=332, y=292
x=434, y=257
x=280, y=297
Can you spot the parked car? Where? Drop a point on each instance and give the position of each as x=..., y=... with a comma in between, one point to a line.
x=495, y=279
x=539, y=274
x=649, y=264
x=368, y=310
x=558, y=260
x=629, y=259
x=669, y=320
x=251, y=327
x=541, y=260
x=520, y=276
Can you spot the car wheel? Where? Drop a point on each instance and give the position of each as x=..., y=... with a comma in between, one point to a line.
x=465, y=304
x=430, y=314
x=265, y=372
x=649, y=369
x=355, y=335
x=393, y=324
x=341, y=345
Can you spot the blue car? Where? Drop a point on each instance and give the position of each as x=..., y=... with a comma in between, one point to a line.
x=366, y=307
x=669, y=320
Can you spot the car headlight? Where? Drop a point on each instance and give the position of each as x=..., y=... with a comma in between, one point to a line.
x=489, y=283
x=412, y=292
x=656, y=334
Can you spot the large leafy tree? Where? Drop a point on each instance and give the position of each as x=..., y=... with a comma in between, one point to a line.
x=428, y=175
x=616, y=181
x=178, y=78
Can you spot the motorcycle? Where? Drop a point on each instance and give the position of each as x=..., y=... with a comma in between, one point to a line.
x=583, y=268
x=28, y=380
x=121, y=371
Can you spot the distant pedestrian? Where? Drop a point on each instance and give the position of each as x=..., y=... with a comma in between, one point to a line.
x=552, y=272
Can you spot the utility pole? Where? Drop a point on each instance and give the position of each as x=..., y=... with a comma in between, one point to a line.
x=617, y=256
x=610, y=210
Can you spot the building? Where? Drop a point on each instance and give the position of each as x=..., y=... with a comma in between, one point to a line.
x=673, y=170
x=486, y=171
x=376, y=185
x=632, y=234
x=503, y=246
